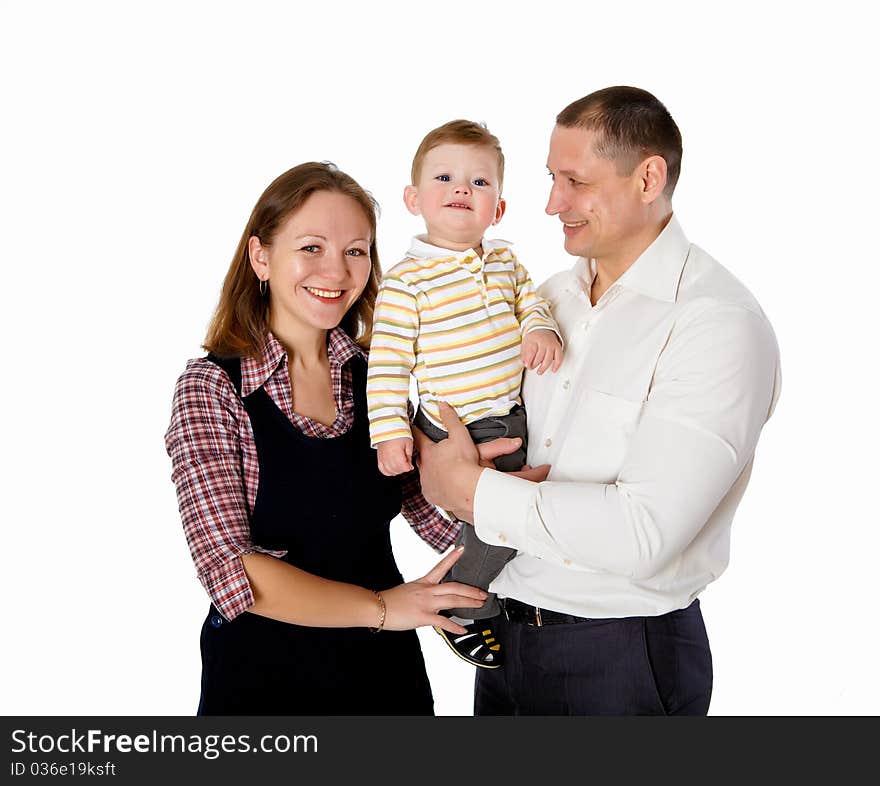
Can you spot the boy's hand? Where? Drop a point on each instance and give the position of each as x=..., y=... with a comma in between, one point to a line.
x=395, y=456
x=541, y=349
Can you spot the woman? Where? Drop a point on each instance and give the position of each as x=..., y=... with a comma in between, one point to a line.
x=284, y=509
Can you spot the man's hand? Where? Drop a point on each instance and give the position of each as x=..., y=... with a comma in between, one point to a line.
x=395, y=456
x=541, y=349
x=450, y=469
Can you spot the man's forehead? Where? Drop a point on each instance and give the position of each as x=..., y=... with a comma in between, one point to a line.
x=571, y=150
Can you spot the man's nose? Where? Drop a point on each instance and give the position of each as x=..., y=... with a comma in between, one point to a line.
x=555, y=202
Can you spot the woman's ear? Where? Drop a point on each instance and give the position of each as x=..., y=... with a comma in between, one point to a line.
x=259, y=258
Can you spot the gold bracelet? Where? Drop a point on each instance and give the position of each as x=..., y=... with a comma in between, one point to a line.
x=381, y=614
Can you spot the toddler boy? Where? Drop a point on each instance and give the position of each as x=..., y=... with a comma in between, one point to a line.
x=461, y=314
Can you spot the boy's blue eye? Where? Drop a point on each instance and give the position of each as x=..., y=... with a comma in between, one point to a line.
x=443, y=178
x=481, y=181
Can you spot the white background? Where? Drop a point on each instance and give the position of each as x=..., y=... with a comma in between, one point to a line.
x=136, y=139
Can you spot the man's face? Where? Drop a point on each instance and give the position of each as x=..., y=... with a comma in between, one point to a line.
x=602, y=211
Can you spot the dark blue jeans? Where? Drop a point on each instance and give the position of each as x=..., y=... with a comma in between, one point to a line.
x=628, y=666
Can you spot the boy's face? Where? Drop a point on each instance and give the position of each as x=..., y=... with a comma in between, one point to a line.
x=457, y=195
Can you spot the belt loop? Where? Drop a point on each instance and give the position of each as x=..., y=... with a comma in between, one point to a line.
x=503, y=603
x=538, y=621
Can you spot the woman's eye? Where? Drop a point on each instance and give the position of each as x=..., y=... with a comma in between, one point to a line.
x=357, y=252
x=443, y=178
x=311, y=249
x=481, y=181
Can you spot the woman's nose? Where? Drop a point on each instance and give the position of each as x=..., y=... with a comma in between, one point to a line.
x=335, y=266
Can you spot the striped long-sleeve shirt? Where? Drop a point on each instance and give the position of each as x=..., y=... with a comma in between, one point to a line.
x=455, y=322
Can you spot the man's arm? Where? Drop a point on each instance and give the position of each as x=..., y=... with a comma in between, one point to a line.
x=713, y=389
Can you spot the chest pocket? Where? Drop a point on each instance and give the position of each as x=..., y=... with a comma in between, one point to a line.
x=597, y=435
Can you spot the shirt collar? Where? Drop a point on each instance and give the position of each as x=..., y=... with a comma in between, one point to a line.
x=255, y=371
x=657, y=271
x=420, y=248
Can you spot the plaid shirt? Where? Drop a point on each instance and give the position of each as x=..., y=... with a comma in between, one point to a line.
x=216, y=471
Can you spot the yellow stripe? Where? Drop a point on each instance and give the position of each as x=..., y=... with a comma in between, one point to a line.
x=376, y=421
x=443, y=303
x=443, y=379
x=386, y=436
x=485, y=338
x=481, y=309
x=482, y=385
x=408, y=266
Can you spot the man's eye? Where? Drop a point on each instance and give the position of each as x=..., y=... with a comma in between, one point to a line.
x=551, y=176
x=443, y=178
x=481, y=181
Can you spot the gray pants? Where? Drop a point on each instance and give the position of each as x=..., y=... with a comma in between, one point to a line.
x=481, y=562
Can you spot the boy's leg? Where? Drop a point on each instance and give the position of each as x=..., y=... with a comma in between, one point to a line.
x=479, y=564
x=482, y=562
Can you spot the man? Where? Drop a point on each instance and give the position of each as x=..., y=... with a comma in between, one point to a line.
x=649, y=427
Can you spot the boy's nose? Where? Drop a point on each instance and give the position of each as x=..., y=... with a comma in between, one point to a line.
x=462, y=188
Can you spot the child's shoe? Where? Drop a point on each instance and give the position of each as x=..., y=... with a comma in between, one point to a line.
x=478, y=647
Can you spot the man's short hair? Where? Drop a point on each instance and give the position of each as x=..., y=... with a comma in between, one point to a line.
x=458, y=132
x=631, y=125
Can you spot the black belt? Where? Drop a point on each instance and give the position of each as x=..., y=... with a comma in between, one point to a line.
x=514, y=611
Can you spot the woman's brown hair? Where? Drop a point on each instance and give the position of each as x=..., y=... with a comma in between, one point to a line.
x=241, y=321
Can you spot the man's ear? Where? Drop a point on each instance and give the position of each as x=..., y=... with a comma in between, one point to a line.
x=411, y=200
x=258, y=257
x=653, y=178
x=499, y=211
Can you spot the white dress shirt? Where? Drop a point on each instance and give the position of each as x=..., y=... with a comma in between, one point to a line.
x=650, y=426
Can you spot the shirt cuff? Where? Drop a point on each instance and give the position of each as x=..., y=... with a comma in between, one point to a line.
x=229, y=588
x=501, y=508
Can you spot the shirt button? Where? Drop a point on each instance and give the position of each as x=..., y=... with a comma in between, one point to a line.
x=502, y=537
x=567, y=563
x=586, y=325
x=548, y=442
x=566, y=385
x=216, y=621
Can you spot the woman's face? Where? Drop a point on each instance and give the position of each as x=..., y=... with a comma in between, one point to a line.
x=317, y=265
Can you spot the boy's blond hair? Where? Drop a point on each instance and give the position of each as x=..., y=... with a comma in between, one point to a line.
x=458, y=132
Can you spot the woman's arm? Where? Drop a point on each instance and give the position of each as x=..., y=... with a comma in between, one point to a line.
x=208, y=473
x=205, y=449
x=286, y=593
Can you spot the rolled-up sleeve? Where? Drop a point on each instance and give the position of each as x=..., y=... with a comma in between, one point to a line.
x=714, y=387
x=203, y=443
x=426, y=520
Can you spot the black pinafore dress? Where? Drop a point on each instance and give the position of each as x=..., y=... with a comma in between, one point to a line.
x=327, y=504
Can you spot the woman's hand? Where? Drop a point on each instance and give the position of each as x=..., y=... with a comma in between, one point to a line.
x=416, y=603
